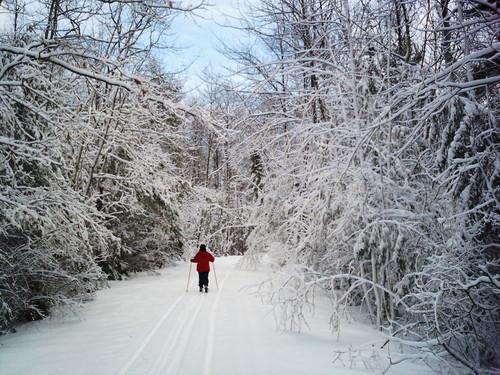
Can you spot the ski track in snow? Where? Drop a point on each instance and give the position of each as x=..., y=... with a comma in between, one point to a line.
x=129, y=363
x=175, y=345
x=147, y=326
x=207, y=365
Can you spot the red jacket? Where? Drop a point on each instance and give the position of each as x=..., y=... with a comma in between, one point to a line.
x=202, y=258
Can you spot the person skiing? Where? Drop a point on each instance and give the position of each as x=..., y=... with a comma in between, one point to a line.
x=202, y=258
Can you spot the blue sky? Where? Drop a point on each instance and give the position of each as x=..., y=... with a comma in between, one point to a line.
x=198, y=36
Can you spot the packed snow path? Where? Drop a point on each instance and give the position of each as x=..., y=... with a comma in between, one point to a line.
x=149, y=325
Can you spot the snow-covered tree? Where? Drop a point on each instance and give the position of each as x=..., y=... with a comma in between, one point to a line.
x=89, y=185
x=380, y=129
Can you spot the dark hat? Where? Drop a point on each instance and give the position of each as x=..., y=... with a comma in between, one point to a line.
x=203, y=247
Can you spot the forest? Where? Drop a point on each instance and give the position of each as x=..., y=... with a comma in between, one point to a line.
x=353, y=144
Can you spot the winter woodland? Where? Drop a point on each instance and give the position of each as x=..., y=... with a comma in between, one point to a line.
x=355, y=144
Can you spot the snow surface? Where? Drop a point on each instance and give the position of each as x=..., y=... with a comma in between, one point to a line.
x=150, y=325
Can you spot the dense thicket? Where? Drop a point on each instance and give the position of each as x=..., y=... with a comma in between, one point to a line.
x=89, y=149
x=376, y=130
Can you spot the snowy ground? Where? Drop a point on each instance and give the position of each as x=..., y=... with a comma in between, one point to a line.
x=149, y=325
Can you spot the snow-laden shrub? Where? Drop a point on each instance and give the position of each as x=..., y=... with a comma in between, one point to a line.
x=46, y=253
x=454, y=306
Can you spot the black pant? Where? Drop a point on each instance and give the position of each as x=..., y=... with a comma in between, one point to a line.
x=203, y=279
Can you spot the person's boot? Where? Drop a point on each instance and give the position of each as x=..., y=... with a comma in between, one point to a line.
x=206, y=289
x=201, y=289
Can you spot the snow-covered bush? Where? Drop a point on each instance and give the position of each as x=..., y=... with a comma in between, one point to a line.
x=48, y=235
x=382, y=173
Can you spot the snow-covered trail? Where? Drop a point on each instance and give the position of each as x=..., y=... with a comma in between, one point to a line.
x=149, y=325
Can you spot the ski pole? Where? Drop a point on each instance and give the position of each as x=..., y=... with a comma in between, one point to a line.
x=189, y=276
x=215, y=274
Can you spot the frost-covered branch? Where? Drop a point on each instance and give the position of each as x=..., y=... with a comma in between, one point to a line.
x=50, y=57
